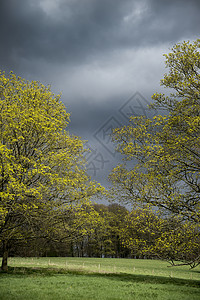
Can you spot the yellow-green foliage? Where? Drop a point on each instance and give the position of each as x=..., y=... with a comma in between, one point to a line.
x=41, y=164
x=148, y=233
x=166, y=149
x=94, y=229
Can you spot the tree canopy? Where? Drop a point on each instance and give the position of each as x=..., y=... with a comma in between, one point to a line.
x=162, y=154
x=41, y=164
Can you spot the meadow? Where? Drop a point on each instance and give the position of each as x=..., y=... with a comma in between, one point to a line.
x=97, y=278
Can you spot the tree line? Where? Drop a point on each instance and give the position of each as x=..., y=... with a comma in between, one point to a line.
x=98, y=230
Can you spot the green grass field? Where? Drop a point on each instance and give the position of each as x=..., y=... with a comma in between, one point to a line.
x=95, y=278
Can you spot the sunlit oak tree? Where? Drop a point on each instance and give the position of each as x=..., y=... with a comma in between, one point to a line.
x=41, y=164
x=162, y=154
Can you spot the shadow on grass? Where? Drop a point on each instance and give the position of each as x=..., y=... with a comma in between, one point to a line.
x=36, y=271
x=195, y=271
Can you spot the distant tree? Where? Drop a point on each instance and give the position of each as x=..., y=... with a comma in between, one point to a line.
x=84, y=230
x=165, y=150
x=118, y=214
x=41, y=164
x=94, y=230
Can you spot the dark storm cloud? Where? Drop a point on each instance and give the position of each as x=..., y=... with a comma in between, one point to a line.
x=175, y=19
x=80, y=31
x=74, y=32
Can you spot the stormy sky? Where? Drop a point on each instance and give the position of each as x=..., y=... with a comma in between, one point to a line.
x=105, y=56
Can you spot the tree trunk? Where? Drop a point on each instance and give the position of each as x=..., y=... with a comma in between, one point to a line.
x=4, y=265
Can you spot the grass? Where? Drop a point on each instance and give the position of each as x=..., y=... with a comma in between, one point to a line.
x=95, y=278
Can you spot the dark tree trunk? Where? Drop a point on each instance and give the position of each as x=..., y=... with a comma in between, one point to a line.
x=4, y=265
x=72, y=249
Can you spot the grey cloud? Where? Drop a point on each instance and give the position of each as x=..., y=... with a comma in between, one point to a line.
x=175, y=19
x=80, y=31
x=29, y=32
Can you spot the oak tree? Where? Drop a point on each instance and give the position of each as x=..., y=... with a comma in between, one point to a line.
x=162, y=154
x=41, y=164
